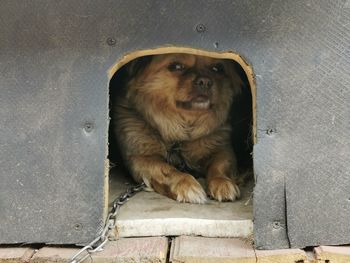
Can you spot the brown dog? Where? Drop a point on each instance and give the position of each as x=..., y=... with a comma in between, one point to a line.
x=172, y=123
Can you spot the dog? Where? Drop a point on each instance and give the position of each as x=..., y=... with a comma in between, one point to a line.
x=172, y=125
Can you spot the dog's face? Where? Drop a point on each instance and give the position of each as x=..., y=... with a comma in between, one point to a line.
x=183, y=87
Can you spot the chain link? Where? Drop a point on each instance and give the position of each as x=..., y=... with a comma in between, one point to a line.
x=99, y=242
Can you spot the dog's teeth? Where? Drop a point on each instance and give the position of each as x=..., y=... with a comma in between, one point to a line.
x=201, y=105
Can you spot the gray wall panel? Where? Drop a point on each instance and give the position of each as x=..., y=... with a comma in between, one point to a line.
x=53, y=77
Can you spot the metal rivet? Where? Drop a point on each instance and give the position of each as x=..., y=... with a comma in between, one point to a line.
x=78, y=226
x=201, y=28
x=88, y=127
x=270, y=131
x=111, y=41
x=276, y=225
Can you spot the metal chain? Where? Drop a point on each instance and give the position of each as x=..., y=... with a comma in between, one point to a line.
x=99, y=242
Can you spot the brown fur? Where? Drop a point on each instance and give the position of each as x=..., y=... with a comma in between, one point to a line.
x=166, y=102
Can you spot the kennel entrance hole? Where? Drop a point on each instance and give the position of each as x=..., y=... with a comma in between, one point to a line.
x=150, y=214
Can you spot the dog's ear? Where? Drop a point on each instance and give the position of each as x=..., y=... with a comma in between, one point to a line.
x=137, y=65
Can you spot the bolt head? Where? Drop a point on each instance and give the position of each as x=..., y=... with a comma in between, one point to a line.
x=88, y=127
x=200, y=28
x=78, y=226
x=111, y=41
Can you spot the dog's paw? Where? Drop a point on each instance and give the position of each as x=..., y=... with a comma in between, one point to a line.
x=188, y=190
x=223, y=189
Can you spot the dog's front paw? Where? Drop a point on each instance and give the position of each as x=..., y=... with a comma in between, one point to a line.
x=188, y=190
x=223, y=189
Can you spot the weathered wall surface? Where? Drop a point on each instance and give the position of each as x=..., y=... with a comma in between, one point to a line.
x=54, y=59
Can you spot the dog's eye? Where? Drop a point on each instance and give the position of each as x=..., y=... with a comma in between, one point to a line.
x=218, y=68
x=176, y=66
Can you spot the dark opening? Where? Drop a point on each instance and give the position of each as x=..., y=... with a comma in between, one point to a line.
x=241, y=116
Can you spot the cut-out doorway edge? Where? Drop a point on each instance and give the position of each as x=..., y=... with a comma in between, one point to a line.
x=240, y=226
x=186, y=50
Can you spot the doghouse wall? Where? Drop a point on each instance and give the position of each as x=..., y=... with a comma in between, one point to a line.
x=54, y=60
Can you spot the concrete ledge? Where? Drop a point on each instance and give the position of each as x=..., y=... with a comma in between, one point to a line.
x=150, y=214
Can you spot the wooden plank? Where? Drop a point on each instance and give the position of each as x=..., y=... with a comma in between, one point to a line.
x=281, y=256
x=338, y=254
x=186, y=249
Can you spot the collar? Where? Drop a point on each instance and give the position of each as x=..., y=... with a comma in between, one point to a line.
x=174, y=157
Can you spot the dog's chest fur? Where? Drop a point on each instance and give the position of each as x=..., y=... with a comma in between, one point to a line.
x=177, y=157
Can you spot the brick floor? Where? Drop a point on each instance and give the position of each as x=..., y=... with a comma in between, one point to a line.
x=281, y=255
x=53, y=254
x=333, y=254
x=184, y=249
x=15, y=254
x=125, y=250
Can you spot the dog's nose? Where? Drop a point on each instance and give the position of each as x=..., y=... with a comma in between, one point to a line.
x=203, y=83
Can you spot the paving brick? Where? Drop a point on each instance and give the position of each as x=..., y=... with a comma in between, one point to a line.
x=126, y=250
x=54, y=254
x=333, y=254
x=311, y=257
x=134, y=250
x=281, y=256
x=15, y=254
x=186, y=249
